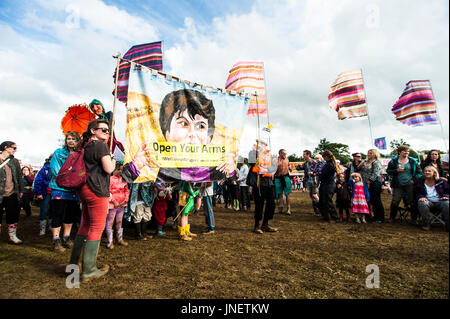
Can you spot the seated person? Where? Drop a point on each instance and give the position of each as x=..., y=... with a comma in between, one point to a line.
x=432, y=194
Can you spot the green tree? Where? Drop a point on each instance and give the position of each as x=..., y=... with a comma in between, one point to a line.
x=340, y=151
x=396, y=143
x=295, y=158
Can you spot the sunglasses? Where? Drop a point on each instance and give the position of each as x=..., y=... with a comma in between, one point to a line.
x=104, y=130
x=14, y=147
x=356, y=155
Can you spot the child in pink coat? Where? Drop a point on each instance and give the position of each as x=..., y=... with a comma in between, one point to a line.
x=117, y=203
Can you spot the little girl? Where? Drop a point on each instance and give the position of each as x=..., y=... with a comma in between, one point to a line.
x=160, y=206
x=342, y=198
x=117, y=202
x=360, y=197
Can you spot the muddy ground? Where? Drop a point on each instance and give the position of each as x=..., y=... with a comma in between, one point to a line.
x=307, y=258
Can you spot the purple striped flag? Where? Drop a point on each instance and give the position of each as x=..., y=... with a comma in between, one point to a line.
x=416, y=105
x=148, y=54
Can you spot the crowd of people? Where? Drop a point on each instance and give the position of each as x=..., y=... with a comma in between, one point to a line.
x=110, y=197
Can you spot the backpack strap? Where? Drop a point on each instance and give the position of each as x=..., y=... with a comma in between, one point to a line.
x=4, y=163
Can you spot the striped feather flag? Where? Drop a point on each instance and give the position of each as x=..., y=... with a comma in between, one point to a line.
x=347, y=96
x=249, y=77
x=416, y=105
x=148, y=54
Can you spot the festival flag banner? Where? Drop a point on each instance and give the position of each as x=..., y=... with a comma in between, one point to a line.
x=249, y=77
x=148, y=54
x=380, y=143
x=192, y=132
x=416, y=105
x=347, y=96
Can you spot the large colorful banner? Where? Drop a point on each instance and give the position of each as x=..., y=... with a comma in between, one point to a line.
x=347, y=96
x=192, y=132
x=416, y=105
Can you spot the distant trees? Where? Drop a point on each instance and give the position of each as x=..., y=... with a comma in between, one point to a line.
x=339, y=150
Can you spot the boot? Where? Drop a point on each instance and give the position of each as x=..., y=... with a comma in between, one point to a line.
x=364, y=219
x=393, y=214
x=12, y=229
x=109, y=237
x=357, y=220
x=120, y=240
x=182, y=233
x=237, y=205
x=349, y=220
x=138, y=229
x=67, y=242
x=42, y=227
x=90, y=270
x=77, y=248
x=280, y=209
x=144, y=230
x=188, y=231
x=341, y=218
x=160, y=232
x=288, y=212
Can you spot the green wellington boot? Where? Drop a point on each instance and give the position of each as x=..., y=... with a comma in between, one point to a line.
x=90, y=270
x=77, y=249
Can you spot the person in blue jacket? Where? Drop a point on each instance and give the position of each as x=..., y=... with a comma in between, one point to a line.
x=65, y=203
x=404, y=171
x=43, y=193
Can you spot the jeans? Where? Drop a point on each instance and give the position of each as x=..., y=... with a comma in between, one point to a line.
x=377, y=204
x=44, y=207
x=245, y=199
x=426, y=207
x=326, y=205
x=209, y=213
x=397, y=197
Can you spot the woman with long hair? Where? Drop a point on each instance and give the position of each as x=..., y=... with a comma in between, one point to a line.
x=327, y=184
x=371, y=172
x=25, y=201
x=11, y=188
x=65, y=203
x=94, y=196
x=433, y=159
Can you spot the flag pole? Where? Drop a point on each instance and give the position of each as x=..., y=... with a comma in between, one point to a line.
x=258, y=135
x=111, y=136
x=372, y=141
x=267, y=105
x=440, y=121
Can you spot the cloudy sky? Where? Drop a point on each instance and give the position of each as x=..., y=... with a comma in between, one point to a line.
x=57, y=53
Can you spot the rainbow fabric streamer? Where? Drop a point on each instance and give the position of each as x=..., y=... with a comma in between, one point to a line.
x=416, y=105
x=249, y=77
x=347, y=96
x=148, y=54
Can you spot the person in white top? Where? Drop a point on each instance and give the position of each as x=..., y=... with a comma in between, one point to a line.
x=243, y=187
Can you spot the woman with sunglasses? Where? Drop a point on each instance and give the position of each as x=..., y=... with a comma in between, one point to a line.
x=65, y=203
x=94, y=197
x=11, y=188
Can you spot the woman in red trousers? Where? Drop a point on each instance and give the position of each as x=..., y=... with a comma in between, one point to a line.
x=94, y=196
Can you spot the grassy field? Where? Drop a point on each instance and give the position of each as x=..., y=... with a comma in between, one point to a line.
x=307, y=258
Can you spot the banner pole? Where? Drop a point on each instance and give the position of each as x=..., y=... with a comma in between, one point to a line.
x=111, y=136
x=372, y=141
x=440, y=121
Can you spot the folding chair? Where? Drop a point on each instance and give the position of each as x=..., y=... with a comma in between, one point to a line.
x=436, y=218
x=405, y=214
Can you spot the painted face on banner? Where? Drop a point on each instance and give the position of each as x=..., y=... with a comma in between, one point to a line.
x=185, y=129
